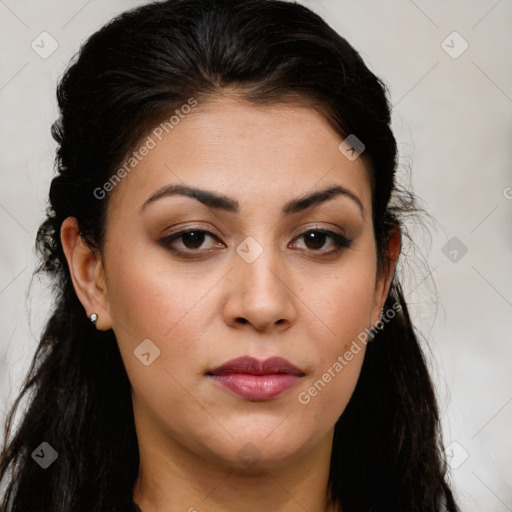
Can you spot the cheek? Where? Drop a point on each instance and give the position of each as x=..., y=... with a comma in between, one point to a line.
x=326, y=394
x=163, y=309
x=342, y=306
x=150, y=296
x=340, y=303
x=148, y=302
x=339, y=353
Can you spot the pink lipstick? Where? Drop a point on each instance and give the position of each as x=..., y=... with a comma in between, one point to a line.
x=257, y=380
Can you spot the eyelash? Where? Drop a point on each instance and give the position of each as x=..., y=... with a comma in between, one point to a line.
x=340, y=241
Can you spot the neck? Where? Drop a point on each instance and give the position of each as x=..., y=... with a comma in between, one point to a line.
x=171, y=478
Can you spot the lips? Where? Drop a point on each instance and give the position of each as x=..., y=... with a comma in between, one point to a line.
x=257, y=380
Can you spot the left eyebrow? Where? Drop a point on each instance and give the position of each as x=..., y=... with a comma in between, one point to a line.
x=218, y=201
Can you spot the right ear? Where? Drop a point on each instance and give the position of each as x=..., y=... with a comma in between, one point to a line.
x=87, y=273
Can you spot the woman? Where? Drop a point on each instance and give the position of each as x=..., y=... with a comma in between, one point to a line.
x=205, y=350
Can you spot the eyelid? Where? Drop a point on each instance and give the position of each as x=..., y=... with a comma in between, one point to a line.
x=318, y=227
x=185, y=229
x=211, y=230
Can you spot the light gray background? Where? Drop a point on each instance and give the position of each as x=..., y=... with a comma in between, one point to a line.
x=452, y=118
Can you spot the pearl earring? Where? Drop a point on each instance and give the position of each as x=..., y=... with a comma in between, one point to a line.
x=93, y=318
x=371, y=334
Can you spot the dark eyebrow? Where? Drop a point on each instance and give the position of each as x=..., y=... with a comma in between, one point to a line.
x=221, y=202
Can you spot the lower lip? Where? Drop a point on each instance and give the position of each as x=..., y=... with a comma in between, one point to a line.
x=257, y=388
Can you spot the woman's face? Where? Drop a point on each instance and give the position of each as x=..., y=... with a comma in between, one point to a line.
x=263, y=272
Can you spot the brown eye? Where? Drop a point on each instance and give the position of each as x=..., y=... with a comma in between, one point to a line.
x=315, y=239
x=191, y=241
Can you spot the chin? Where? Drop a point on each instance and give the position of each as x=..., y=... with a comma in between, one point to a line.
x=259, y=452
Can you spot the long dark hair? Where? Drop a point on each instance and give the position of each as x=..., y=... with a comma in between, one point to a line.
x=128, y=77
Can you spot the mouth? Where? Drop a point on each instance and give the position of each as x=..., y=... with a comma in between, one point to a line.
x=257, y=380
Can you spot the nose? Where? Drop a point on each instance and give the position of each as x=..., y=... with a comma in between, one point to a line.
x=260, y=293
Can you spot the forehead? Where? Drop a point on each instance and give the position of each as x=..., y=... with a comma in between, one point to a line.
x=258, y=154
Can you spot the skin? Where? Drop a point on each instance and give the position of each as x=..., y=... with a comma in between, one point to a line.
x=298, y=301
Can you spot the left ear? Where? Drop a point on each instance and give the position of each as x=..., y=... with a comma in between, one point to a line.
x=385, y=277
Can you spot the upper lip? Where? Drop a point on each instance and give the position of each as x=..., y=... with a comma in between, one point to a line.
x=253, y=366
